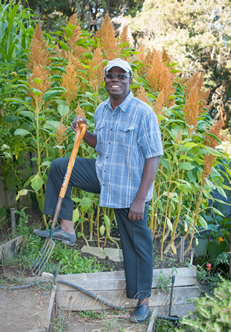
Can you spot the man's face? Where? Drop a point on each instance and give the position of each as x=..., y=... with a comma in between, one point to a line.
x=117, y=87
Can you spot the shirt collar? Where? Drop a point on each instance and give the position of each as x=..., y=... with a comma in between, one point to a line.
x=124, y=104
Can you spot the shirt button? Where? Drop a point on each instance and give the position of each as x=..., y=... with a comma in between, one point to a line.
x=111, y=129
x=104, y=171
x=109, y=142
x=106, y=157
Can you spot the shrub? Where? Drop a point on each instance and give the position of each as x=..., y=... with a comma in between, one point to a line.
x=212, y=313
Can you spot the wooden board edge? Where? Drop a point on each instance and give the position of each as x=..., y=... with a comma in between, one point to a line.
x=51, y=312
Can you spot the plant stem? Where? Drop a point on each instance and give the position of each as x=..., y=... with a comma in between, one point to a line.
x=91, y=225
x=177, y=220
x=37, y=111
x=195, y=215
x=166, y=211
x=110, y=238
x=97, y=226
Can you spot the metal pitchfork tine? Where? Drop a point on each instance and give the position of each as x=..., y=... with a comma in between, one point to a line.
x=48, y=246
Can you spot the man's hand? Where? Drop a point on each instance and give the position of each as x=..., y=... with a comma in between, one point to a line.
x=75, y=124
x=136, y=211
x=89, y=138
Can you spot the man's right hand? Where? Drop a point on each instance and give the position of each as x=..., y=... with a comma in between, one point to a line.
x=75, y=124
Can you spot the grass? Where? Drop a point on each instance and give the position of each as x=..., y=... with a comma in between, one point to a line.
x=59, y=323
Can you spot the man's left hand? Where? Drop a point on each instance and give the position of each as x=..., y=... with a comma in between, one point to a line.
x=136, y=211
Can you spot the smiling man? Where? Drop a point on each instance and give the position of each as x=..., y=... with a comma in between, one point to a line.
x=128, y=142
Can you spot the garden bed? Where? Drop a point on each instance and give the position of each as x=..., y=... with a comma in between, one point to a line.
x=80, y=320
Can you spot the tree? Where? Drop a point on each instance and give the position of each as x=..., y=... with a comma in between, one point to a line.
x=90, y=12
x=196, y=35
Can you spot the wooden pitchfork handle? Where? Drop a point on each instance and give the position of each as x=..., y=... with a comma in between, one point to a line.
x=80, y=132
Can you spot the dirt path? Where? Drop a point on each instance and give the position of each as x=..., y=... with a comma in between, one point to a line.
x=26, y=310
x=99, y=322
x=23, y=310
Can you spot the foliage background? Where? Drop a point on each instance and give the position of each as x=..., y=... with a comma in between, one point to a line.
x=54, y=77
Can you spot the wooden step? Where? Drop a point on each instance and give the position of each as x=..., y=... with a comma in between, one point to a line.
x=111, y=287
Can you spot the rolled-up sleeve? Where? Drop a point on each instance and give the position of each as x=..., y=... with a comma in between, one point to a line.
x=149, y=138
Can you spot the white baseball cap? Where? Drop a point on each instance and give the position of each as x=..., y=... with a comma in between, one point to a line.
x=118, y=63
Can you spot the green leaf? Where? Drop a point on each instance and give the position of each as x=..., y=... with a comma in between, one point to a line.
x=63, y=109
x=69, y=32
x=15, y=100
x=37, y=182
x=52, y=125
x=184, y=188
x=36, y=92
x=218, y=211
x=202, y=222
x=165, y=164
x=22, y=192
x=169, y=224
x=59, y=68
x=50, y=94
x=37, y=80
x=75, y=199
x=187, y=166
x=28, y=114
x=59, y=147
x=21, y=132
x=222, y=192
x=75, y=215
x=86, y=202
x=46, y=163
x=64, y=46
x=107, y=221
x=212, y=151
x=159, y=205
x=189, y=145
x=191, y=177
x=102, y=230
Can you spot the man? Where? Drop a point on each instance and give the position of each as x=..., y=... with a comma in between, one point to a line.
x=127, y=140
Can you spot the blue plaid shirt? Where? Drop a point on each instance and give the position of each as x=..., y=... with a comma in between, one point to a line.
x=126, y=137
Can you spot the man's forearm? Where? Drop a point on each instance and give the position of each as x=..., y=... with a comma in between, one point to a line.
x=90, y=139
x=149, y=174
x=136, y=211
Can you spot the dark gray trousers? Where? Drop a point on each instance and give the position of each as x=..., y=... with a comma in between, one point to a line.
x=136, y=237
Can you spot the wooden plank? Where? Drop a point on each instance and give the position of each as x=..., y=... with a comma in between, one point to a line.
x=76, y=300
x=9, y=249
x=182, y=271
x=116, y=284
x=51, y=312
x=152, y=319
x=116, y=280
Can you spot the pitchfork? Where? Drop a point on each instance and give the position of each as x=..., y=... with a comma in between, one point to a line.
x=49, y=244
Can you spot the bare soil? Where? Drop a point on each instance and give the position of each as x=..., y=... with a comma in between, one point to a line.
x=23, y=310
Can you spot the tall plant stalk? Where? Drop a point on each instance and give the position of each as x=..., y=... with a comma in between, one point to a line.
x=37, y=113
x=175, y=224
x=166, y=210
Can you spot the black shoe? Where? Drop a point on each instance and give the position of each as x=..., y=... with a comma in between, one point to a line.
x=140, y=314
x=58, y=234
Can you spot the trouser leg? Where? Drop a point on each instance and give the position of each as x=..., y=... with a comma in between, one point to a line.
x=83, y=176
x=136, y=240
